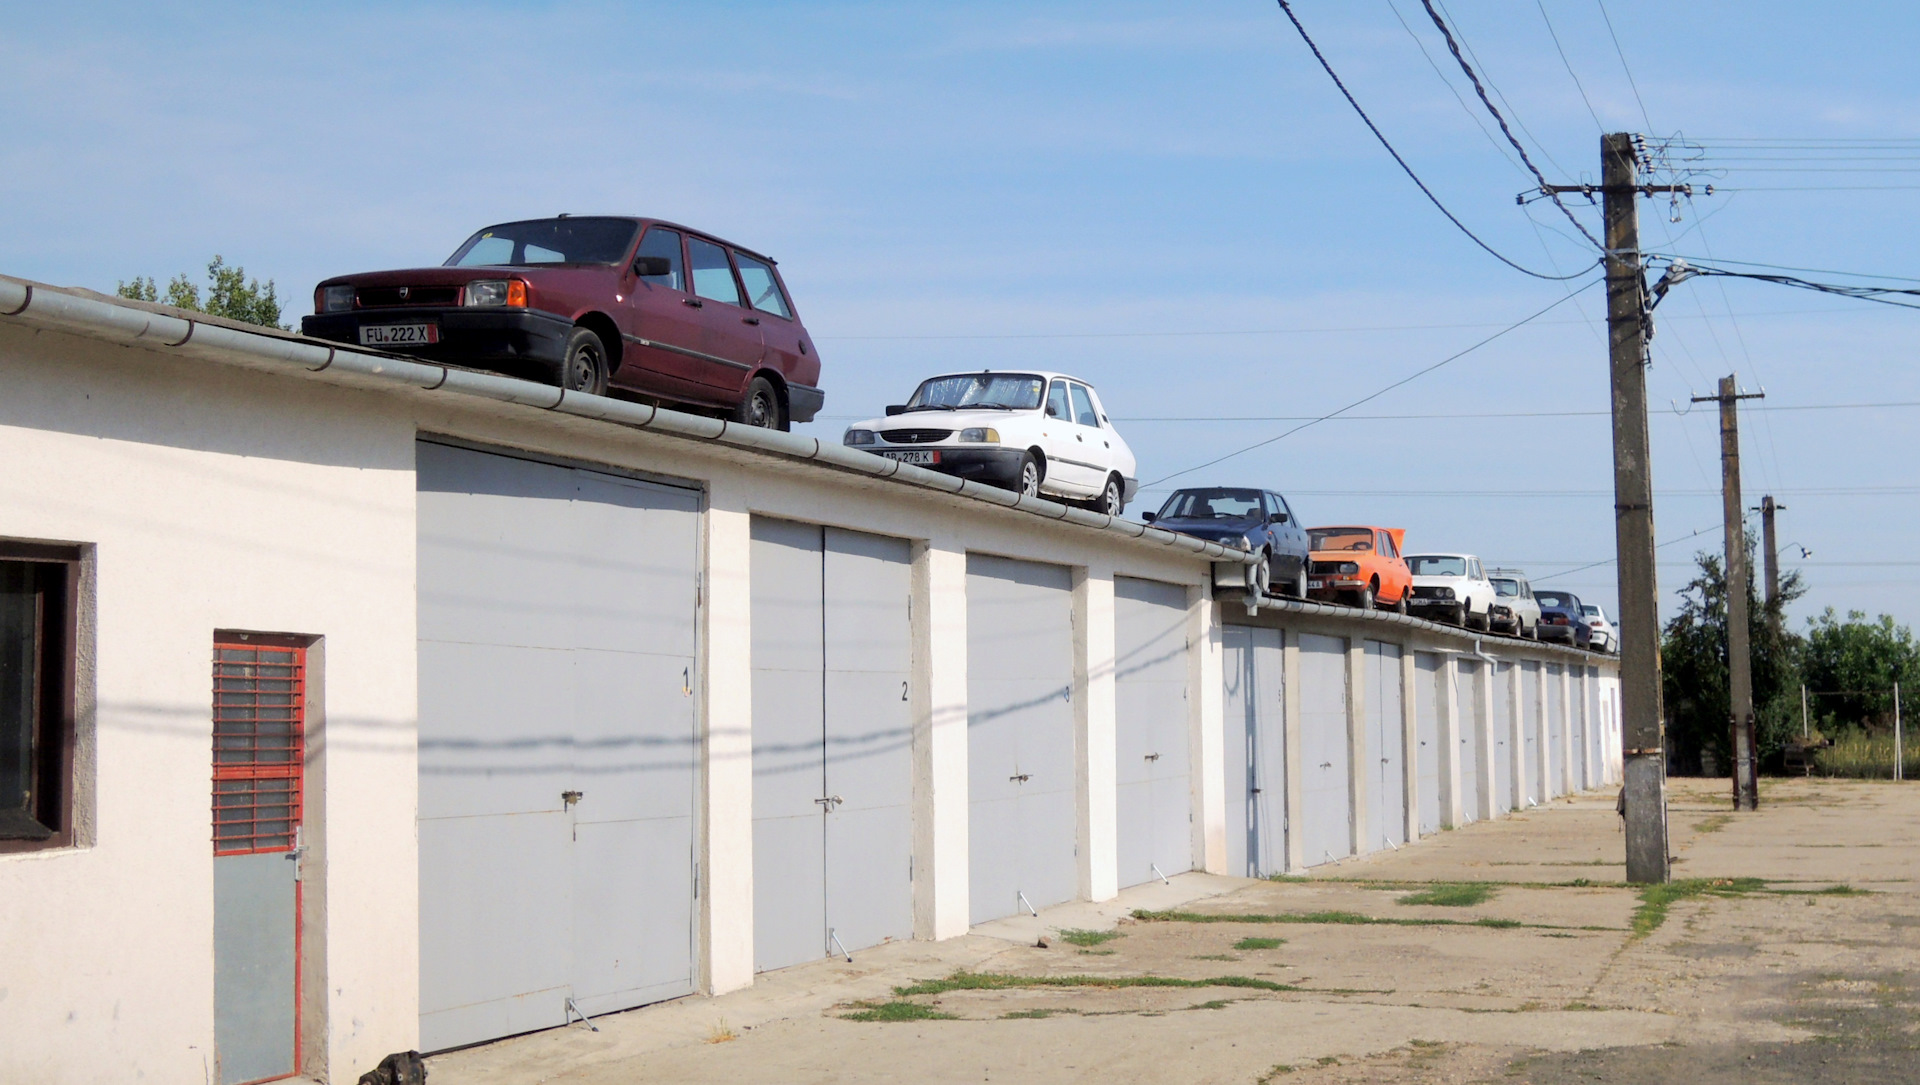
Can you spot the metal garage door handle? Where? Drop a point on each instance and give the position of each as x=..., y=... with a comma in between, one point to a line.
x=830, y=801
x=1326, y=764
x=571, y=797
x=1153, y=757
x=1021, y=778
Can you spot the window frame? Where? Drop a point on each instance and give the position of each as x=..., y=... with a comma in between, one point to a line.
x=292, y=769
x=693, y=284
x=773, y=277
x=56, y=725
x=648, y=280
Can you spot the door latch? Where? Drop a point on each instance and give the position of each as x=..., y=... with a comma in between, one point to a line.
x=1021, y=778
x=1153, y=757
x=830, y=801
x=571, y=797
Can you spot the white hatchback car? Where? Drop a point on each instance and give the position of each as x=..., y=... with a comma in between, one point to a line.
x=1604, y=637
x=1034, y=433
x=1451, y=588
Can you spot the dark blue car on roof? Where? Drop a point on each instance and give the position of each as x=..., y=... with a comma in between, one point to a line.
x=1561, y=618
x=1259, y=520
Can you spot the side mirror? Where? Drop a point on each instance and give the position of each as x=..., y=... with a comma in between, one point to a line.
x=1051, y=413
x=1277, y=518
x=652, y=265
x=1147, y=517
x=896, y=408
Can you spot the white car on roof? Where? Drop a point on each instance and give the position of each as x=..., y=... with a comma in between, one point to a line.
x=1605, y=638
x=1451, y=588
x=1034, y=432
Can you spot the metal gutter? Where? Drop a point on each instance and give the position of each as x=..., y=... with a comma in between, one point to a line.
x=39, y=305
x=1495, y=642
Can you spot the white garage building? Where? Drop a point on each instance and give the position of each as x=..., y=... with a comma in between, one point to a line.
x=358, y=705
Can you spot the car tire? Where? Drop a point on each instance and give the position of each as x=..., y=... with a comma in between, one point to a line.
x=585, y=368
x=1111, y=501
x=1459, y=615
x=1027, y=482
x=1363, y=599
x=760, y=407
x=1401, y=606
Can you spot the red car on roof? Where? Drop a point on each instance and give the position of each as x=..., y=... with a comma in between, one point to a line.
x=1359, y=565
x=652, y=310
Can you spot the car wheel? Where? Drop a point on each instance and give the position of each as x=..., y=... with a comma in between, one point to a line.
x=1401, y=606
x=1028, y=483
x=1260, y=575
x=1531, y=632
x=585, y=367
x=1363, y=599
x=1110, y=501
x=761, y=407
x=1300, y=582
x=1459, y=615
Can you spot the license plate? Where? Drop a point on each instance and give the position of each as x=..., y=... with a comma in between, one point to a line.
x=1316, y=585
x=1423, y=602
x=918, y=455
x=399, y=335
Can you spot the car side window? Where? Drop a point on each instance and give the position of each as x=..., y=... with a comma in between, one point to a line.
x=763, y=290
x=1386, y=544
x=665, y=244
x=712, y=273
x=1057, y=402
x=1473, y=571
x=1083, y=411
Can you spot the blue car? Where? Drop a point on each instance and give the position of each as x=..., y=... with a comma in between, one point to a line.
x=1258, y=520
x=1562, y=619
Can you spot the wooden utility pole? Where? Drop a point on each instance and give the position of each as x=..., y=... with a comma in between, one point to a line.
x=1770, y=541
x=1746, y=756
x=1641, y=717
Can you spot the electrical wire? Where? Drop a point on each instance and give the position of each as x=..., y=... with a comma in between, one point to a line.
x=1622, y=54
x=1408, y=170
x=1453, y=45
x=1885, y=295
x=1568, y=64
x=1476, y=415
x=1615, y=560
x=1383, y=391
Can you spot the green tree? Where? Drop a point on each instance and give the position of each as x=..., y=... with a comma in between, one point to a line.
x=1853, y=665
x=1693, y=665
x=230, y=294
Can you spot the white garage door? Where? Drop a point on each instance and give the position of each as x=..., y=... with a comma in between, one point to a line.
x=1530, y=722
x=1504, y=678
x=1022, y=815
x=1427, y=675
x=1327, y=794
x=557, y=758
x=1386, y=750
x=832, y=742
x=1555, y=782
x=1467, y=721
x=1155, y=793
x=1255, y=750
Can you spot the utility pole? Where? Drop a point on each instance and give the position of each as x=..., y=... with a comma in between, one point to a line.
x=1746, y=760
x=1769, y=540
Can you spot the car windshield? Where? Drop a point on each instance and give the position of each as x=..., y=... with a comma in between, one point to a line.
x=1591, y=612
x=1340, y=538
x=547, y=241
x=1557, y=599
x=1437, y=565
x=979, y=391
x=1215, y=503
x=1506, y=587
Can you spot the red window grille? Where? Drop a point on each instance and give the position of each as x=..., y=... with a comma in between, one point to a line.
x=259, y=740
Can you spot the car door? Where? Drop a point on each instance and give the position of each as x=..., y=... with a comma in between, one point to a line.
x=730, y=343
x=787, y=349
x=1067, y=467
x=1394, y=578
x=1290, y=538
x=663, y=324
x=1093, y=445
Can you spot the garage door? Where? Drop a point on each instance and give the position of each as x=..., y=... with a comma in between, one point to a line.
x=1022, y=815
x=1504, y=677
x=1426, y=696
x=1255, y=750
x=832, y=742
x=1555, y=782
x=557, y=758
x=1386, y=750
x=1326, y=795
x=1529, y=678
x=1150, y=707
x=1466, y=720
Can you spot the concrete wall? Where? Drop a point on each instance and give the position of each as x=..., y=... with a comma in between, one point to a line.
x=217, y=497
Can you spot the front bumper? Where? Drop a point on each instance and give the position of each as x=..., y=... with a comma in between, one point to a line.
x=993, y=466
x=485, y=338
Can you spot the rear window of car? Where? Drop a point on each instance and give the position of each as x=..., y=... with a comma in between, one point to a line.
x=1213, y=503
x=1591, y=612
x=1557, y=599
x=1432, y=565
x=547, y=241
x=1083, y=412
x=1340, y=538
x=763, y=289
x=1504, y=587
x=983, y=391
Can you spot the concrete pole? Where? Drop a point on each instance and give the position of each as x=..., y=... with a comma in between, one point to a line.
x=1899, y=765
x=1746, y=783
x=1771, y=542
x=1642, y=741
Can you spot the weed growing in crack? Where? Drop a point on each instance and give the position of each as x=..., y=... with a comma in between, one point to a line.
x=1656, y=899
x=1259, y=943
x=896, y=1010
x=1076, y=937
x=1451, y=895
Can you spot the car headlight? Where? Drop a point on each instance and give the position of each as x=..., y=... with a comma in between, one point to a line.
x=859, y=437
x=336, y=299
x=981, y=435
x=495, y=292
x=1446, y=593
x=1349, y=567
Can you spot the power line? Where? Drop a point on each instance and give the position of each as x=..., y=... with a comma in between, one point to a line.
x=1885, y=295
x=1376, y=395
x=1408, y=170
x=1452, y=416
x=1609, y=561
x=1622, y=54
x=1453, y=45
x=1568, y=64
x=1789, y=267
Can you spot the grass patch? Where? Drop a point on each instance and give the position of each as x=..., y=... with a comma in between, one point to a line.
x=896, y=1010
x=1278, y=1069
x=1212, y=1004
x=1028, y=1015
x=1451, y=895
x=1095, y=952
x=1865, y=756
x=1352, y=919
x=1216, y=957
x=1076, y=937
x=1829, y=891
x=1259, y=943
x=1288, y=878
x=1656, y=899
x=1498, y=924
x=1713, y=824
x=1001, y=981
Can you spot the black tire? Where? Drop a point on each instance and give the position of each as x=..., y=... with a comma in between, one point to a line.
x=1401, y=606
x=585, y=368
x=1531, y=632
x=1300, y=582
x=1363, y=599
x=1111, y=501
x=1260, y=575
x=1027, y=482
x=761, y=407
x=1459, y=615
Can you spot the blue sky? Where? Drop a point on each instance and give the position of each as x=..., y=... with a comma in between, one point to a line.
x=1170, y=200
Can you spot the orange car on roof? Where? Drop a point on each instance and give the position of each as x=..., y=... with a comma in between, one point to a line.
x=1358, y=565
